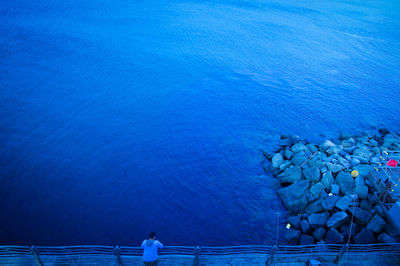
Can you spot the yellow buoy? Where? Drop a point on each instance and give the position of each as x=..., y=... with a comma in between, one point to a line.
x=354, y=173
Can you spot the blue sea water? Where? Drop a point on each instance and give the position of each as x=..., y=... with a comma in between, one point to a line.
x=122, y=117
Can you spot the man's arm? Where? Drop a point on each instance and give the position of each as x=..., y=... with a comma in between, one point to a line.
x=159, y=245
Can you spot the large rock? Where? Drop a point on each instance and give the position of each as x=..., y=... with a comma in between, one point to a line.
x=305, y=226
x=318, y=219
x=355, y=229
x=376, y=224
x=335, y=168
x=319, y=233
x=277, y=160
x=299, y=158
x=355, y=161
x=285, y=165
x=326, y=145
x=385, y=238
x=365, y=237
x=327, y=180
x=288, y=154
x=294, y=221
x=312, y=174
x=363, y=170
x=361, y=191
x=329, y=202
x=346, y=182
x=335, y=189
x=333, y=237
x=317, y=189
x=292, y=236
x=312, y=148
x=348, y=143
x=315, y=207
x=344, y=203
x=294, y=196
x=306, y=240
x=298, y=147
x=337, y=219
x=363, y=151
x=360, y=215
x=290, y=175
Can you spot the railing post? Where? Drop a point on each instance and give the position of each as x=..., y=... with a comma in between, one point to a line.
x=271, y=255
x=197, y=251
x=36, y=256
x=342, y=251
x=117, y=252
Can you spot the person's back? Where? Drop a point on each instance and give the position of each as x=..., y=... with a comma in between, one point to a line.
x=150, y=250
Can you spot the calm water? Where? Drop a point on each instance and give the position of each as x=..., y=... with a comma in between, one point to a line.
x=121, y=118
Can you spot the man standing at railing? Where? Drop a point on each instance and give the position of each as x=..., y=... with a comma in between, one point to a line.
x=150, y=252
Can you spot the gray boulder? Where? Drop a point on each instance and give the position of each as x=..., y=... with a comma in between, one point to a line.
x=333, y=237
x=335, y=168
x=361, y=191
x=344, y=203
x=305, y=226
x=376, y=224
x=284, y=165
x=298, y=147
x=318, y=219
x=326, y=145
x=348, y=143
x=290, y=175
x=315, y=207
x=355, y=161
x=360, y=215
x=327, y=180
x=294, y=221
x=312, y=174
x=329, y=202
x=363, y=151
x=337, y=219
x=335, y=189
x=363, y=170
x=317, y=189
x=299, y=158
x=288, y=154
x=365, y=237
x=306, y=240
x=277, y=160
x=365, y=205
x=346, y=182
x=385, y=238
x=312, y=148
x=319, y=233
x=292, y=236
x=355, y=229
x=359, y=181
x=294, y=196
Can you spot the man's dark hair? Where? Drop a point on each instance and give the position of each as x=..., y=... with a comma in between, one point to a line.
x=152, y=235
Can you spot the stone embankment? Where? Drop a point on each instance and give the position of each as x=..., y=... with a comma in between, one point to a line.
x=328, y=189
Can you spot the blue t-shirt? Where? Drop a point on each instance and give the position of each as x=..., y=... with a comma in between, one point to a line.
x=150, y=249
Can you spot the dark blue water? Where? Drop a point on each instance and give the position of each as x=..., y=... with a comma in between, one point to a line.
x=121, y=118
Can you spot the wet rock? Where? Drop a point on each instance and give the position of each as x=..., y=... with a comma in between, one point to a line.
x=312, y=148
x=295, y=138
x=363, y=151
x=344, y=162
x=285, y=142
x=290, y=175
x=318, y=219
x=361, y=191
x=385, y=238
x=292, y=236
x=337, y=219
x=361, y=159
x=335, y=189
x=317, y=189
x=306, y=240
x=346, y=182
x=360, y=215
x=344, y=203
x=355, y=229
x=376, y=224
x=355, y=161
x=277, y=160
x=334, y=150
x=348, y=143
x=294, y=221
x=315, y=207
x=294, y=196
x=312, y=174
x=335, y=168
x=359, y=181
x=333, y=237
x=327, y=180
x=373, y=142
x=298, y=147
x=319, y=233
x=299, y=158
x=329, y=202
x=305, y=226
x=363, y=170
x=284, y=165
x=326, y=145
x=288, y=154
x=364, y=237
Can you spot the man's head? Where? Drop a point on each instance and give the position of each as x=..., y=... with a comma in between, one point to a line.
x=152, y=235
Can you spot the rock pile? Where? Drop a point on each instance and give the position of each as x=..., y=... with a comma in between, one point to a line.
x=321, y=194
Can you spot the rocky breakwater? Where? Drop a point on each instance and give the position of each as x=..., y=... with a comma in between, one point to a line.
x=328, y=201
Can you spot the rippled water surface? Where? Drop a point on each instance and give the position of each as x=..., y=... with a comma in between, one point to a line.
x=123, y=117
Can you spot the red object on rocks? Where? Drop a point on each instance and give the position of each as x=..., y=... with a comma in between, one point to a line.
x=392, y=163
